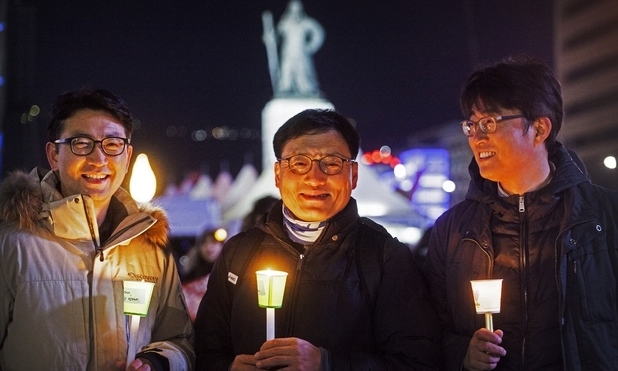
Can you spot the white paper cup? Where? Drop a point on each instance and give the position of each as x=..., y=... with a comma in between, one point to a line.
x=487, y=295
x=137, y=296
x=271, y=286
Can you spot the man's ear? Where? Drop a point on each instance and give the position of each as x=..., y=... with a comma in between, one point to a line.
x=277, y=174
x=354, y=174
x=52, y=155
x=129, y=155
x=542, y=128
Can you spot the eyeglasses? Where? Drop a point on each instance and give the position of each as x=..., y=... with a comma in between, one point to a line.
x=301, y=164
x=487, y=124
x=83, y=146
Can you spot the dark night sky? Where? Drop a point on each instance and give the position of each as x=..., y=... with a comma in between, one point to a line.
x=396, y=67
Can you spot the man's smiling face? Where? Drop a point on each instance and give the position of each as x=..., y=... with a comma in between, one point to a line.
x=97, y=175
x=316, y=196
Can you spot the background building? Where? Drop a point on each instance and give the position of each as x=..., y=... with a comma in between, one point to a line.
x=586, y=57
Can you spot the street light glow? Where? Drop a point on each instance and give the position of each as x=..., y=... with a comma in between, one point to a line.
x=143, y=183
x=610, y=162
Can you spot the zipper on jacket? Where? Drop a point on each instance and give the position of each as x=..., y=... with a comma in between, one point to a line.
x=120, y=232
x=521, y=204
x=293, y=299
x=524, y=270
x=97, y=247
x=300, y=262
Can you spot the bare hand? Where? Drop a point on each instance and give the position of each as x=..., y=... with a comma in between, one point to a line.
x=139, y=364
x=484, y=351
x=243, y=362
x=290, y=354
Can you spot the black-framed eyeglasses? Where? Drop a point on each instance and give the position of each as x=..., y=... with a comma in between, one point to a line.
x=330, y=165
x=487, y=124
x=83, y=146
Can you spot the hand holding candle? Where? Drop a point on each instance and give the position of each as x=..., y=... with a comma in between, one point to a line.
x=137, y=296
x=271, y=286
x=487, y=294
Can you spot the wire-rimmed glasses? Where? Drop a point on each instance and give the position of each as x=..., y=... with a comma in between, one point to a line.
x=487, y=124
x=330, y=165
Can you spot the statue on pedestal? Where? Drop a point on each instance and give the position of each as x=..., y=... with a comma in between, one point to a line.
x=291, y=66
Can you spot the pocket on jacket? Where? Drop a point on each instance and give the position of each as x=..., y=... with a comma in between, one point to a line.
x=591, y=266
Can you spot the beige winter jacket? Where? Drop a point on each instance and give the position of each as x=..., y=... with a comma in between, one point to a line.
x=61, y=302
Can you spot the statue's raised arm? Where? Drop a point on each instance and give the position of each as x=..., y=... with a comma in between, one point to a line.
x=293, y=73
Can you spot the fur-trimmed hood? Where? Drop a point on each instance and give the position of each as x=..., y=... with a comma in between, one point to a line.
x=21, y=200
x=158, y=234
x=25, y=199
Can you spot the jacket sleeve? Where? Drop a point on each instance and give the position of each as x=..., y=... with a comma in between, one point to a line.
x=454, y=346
x=172, y=334
x=405, y=324
x=213, y=343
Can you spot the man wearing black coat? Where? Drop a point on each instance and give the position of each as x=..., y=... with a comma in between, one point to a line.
x=344, y=308
x=532, y=218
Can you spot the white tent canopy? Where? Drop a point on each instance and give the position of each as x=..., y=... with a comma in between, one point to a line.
x=245, y=180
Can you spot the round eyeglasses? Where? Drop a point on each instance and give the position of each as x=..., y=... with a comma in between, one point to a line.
x=487, y=124
x=301, y=164
x=83, y=146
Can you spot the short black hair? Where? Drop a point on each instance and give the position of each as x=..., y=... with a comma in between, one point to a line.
x=522, y=83
x=317, y=121
x=69, y=103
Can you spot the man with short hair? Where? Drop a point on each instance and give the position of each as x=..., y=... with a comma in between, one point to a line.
x=70, y=237
x=532, y=218
x=354, y=297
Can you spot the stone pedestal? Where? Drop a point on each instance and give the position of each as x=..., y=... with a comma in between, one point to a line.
x=276, y=113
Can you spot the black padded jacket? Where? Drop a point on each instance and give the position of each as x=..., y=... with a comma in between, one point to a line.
x=557, y=251
x=323, y=302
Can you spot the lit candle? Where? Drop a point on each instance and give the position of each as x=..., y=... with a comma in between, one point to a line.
x=270, y=323
x=487, y=294
x=271, y=286
x=137, y=295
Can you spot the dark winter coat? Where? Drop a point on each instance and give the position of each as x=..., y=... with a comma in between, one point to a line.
x=556, y=248
x=323, y=302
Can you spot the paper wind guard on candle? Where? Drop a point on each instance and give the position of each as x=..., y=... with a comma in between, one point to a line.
x=137, y=296
x=487, y=295
x=271, y=286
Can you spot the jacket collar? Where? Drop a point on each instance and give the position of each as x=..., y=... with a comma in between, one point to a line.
x=342, y=222
x=566, y=175
x=31, y=201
